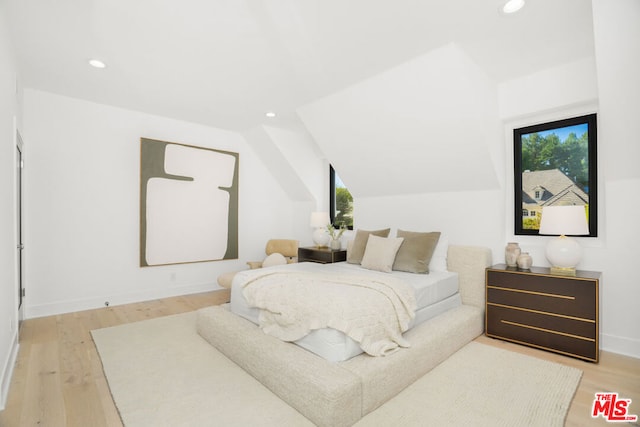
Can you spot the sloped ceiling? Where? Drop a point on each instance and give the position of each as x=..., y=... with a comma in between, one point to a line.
x=424, y=126
x=398, y=95
x=225, y=62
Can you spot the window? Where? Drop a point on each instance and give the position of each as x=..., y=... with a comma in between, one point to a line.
x=340, y=201
x=555, y=164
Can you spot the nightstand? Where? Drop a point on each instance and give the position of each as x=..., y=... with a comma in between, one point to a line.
x=321, y=255
x=539, y=309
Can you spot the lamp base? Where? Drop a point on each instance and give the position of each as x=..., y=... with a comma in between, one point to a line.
x=563, y=271
x=320, y=237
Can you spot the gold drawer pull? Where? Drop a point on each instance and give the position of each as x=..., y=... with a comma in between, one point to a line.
x=532, y=292
x=547, y=313
x=548, y=330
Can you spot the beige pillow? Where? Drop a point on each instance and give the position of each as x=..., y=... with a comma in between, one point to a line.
x=380, y=253
x=416, y=251
x=356, y=252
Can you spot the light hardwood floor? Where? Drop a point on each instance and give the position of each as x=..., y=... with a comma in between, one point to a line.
x=58, y=379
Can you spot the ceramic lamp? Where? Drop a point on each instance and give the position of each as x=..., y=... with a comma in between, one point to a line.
x=319, y=221
x=563, y=252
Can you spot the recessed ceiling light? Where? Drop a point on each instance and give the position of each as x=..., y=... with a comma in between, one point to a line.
x=97, y=63
x=270, y=114
x=512, y=6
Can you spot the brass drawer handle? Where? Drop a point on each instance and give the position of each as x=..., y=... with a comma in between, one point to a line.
x=564, y=316
x=532, y=292
x=551, y=331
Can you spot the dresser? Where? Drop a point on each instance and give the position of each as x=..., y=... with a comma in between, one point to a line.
x=321, y=255
x=539, y=309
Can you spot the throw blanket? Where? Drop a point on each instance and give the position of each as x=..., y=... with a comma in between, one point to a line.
x=372, y=311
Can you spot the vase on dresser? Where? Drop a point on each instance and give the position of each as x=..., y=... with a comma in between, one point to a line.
x=524, y=261
x=335, y=244
x=511, y=253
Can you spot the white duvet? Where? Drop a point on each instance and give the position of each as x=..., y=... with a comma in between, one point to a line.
x=372, y=312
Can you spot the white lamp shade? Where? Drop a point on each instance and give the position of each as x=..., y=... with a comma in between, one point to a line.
x=564, y=220
x=319, y=219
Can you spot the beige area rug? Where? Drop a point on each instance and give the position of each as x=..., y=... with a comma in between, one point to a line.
x=162, y=373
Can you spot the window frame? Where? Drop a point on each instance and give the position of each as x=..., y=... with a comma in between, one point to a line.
x=591, y=121
x=332, y=197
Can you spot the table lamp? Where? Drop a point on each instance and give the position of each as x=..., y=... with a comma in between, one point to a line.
x=563, y=252
x=319, y=221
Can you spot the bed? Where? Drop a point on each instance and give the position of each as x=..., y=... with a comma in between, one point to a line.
x=340, y=393
x=435, y=293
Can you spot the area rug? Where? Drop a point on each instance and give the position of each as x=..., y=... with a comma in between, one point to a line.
x=162, y=373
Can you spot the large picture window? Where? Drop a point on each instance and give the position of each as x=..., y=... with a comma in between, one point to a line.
x=554, y=165
x=340, y=201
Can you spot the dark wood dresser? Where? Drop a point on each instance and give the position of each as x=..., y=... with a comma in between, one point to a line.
x=321, y=255
x=552, y=312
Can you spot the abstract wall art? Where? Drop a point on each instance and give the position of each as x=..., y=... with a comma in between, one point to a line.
x=188, y=203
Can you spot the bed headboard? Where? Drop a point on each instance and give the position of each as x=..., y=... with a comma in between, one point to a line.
x=470, y=263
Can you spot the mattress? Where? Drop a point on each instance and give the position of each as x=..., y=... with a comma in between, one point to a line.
x=435, y=292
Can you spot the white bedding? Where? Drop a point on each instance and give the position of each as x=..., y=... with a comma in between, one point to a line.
x=435, y=293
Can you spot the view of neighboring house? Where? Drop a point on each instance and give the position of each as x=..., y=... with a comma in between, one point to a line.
x=549, y=188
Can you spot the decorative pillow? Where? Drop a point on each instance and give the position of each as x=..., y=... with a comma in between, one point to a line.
x=439, y=258
x=356, y=252
x=274, y=259
x=416, y=251
x=380, y=253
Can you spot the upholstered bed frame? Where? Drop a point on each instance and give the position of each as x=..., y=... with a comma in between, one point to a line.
x=339, y=394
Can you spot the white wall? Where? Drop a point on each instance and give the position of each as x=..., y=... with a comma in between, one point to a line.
x=8, y=281
x=82, y=205
x=617, y=42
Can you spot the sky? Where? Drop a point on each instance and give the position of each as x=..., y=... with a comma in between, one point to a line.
x=564, y=132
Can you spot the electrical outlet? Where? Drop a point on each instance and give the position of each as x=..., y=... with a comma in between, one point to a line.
x=173, y=276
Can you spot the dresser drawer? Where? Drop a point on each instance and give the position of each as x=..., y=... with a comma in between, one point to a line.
x=567, y=336
x=547, y=294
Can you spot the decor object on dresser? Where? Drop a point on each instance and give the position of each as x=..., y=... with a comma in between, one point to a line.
x=511, y=253
x=319, y=221
x=525, y=261
x=321, y=255
x=335, y=234
x=541, y=309
x=563, y=252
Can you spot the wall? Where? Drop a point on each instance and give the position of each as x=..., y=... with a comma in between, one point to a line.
x=82, y=205
x=617, y=42
x=8, y=281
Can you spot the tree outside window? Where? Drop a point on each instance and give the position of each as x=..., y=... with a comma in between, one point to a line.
x=340, y=201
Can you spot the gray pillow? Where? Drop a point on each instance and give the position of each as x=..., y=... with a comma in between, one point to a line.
x=416, y=251
x=356, y=251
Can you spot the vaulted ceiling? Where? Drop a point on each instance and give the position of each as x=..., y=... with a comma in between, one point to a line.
x=225, y=63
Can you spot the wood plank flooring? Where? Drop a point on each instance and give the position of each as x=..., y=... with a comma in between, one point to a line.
x=58, y=379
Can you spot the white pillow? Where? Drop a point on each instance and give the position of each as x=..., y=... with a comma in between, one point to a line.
x=274, y=259
x=439, y=259
x=380, y=253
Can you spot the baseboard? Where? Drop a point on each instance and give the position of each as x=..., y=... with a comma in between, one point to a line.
x=61, y=307
x=7, y=372
x=620, y=345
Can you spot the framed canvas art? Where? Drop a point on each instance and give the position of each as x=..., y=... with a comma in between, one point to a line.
x=188, y=203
